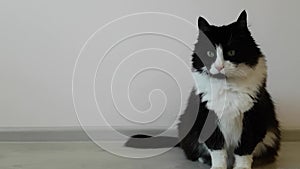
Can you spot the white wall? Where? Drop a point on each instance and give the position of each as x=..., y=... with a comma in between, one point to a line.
x=40, y=41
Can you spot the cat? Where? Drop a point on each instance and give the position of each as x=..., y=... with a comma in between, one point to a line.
x=246, y=125
x=246, y=119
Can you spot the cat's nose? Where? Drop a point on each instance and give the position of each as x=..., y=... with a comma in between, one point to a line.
x=219, y=67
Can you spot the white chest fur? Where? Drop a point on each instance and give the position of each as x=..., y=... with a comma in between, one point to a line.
x=224, y=97
x=227, y=101
x=230, y=98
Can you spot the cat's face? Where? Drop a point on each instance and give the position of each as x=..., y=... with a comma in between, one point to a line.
x=234, y=53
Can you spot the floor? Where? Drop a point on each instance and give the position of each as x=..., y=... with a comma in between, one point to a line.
x=86, y=155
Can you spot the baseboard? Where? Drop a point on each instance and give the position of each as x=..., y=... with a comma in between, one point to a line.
x=42, y=134
x=291, y=135
x=74, y=134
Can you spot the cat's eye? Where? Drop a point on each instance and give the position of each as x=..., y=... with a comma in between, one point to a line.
x=231, y=53
x=210, y=54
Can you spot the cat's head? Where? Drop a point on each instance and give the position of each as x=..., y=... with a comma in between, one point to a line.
x=233, y=52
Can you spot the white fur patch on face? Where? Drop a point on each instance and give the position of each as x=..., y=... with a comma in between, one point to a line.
x=218, y=159
x=243, y=162
x=219, y=63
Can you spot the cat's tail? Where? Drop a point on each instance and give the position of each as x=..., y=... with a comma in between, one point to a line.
x=146, y=141
x=194, y=151
x=267, y=150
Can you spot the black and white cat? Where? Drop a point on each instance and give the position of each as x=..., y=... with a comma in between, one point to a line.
x=246, y=124
x=246, y=119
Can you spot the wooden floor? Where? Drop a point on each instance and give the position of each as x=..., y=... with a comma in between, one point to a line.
x=86, y=155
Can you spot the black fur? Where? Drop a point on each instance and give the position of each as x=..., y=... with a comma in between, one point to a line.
x=260, y=118
x=189, y=133
x=257, y=121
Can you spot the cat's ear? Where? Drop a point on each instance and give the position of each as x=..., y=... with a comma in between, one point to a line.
x=242, y=20
x=203, y=24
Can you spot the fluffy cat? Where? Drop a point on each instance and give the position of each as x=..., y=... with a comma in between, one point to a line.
x=231, y=86
x=246, y=121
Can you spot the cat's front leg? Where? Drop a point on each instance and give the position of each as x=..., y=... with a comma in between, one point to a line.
x=243, y=153
x=250, y=137
x=216, y=144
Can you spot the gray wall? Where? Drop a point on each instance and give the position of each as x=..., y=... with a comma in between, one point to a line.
x=40, y=42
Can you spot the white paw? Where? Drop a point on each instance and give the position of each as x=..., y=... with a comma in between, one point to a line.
x=243, y=162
